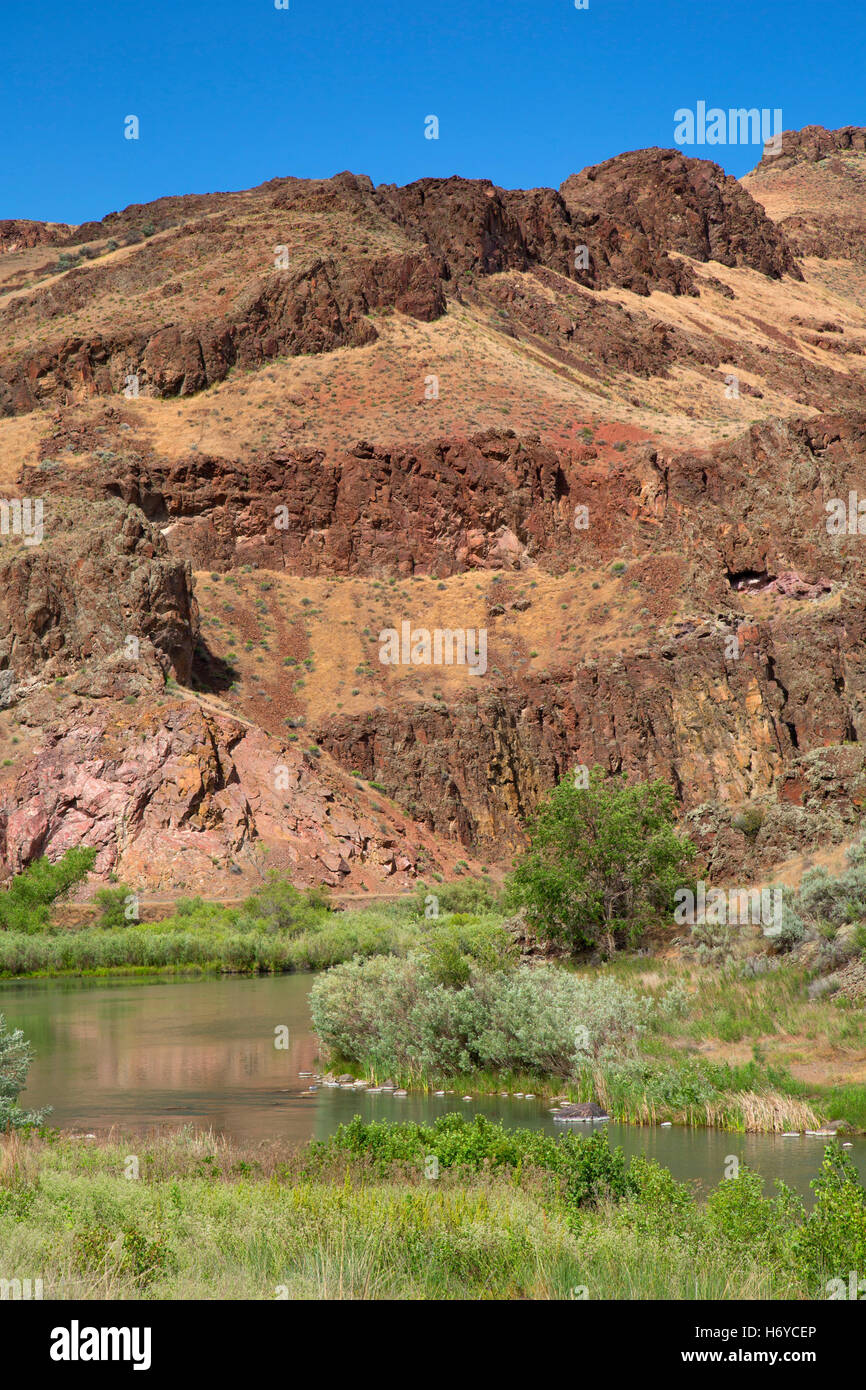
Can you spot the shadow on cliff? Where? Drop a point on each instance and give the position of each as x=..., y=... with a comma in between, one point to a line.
x=210, y=673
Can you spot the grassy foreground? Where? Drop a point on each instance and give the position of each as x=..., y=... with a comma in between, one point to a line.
x=508, y=1214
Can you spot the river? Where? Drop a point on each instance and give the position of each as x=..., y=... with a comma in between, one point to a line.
x=163, y=1052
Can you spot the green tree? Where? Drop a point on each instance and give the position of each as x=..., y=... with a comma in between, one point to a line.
x=16, y=1054
x=111, y=903
x=602, y=860
x=26, y=903
x=279, y=906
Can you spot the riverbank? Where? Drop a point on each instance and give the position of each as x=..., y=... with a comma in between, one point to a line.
x=745, y=1100
x=652, y=1040
x=210, y=938
x=455, y=1210
x=680, y=1043
x=770, y=1075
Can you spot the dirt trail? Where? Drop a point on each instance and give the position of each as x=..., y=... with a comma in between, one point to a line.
x=155, y=909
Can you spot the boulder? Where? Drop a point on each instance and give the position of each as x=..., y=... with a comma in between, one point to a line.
x=582, y=1110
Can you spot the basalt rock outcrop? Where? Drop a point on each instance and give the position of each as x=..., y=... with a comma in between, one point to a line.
x=749, y=510
x=472, y=227
x=18, y=234
x=719, y=704
x=99, y=586
x=719, y=729
x=815, y=188
x=813, y=143
x=635, y=209
x=320, y=308
x=426, y=241
x=581, y=1110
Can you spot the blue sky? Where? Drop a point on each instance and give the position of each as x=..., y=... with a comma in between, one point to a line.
x=232, y=92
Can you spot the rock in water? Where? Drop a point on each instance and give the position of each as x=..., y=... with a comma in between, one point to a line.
x=582, y=1110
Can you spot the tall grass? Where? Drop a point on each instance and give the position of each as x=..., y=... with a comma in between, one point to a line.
x=187, y=942
x=212, y=1224
x=848, y=1101
x=787, y=1032
x=693, y=1095
x=359, y=1219
x=278, y=930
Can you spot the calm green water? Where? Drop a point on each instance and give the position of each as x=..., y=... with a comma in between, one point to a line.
x=157, y=1053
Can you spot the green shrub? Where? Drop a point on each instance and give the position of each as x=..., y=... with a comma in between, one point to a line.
x=793, y=927
x=128, y=1252
x=428, y=1015
x=660, y=1205
x=16, y=1054
x=280, y=907
x=448, y=964
x=459, y=944
x=749, y=821
x=597, y=1173
x=832, y=1241
x=470, y=895
x=111, y=903
x=748, y=1221
x=834, y=899
x=587, y=1169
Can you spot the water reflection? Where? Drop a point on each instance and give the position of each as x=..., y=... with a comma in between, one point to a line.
x=159, y=1052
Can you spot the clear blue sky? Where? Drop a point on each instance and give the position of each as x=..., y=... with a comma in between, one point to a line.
x=232, y=92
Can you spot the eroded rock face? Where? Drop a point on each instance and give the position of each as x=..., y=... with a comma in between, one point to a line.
x=719, y=727
x=449, y=506
x=756, y=505
x=593, y=333
x=320, y=308
x=628, y=213
x=178, y=793
x=712, y=528
x=92, y=621
x=18, y=234
x=174, y=797
x=101, y=575
x=721, y=731
x=426, y=240
x=634, y=209
x=812, y=144
x=816, y=190
x=324, y=307
x=472, y=227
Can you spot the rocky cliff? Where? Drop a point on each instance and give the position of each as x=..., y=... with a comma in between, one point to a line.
x=608, y=425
